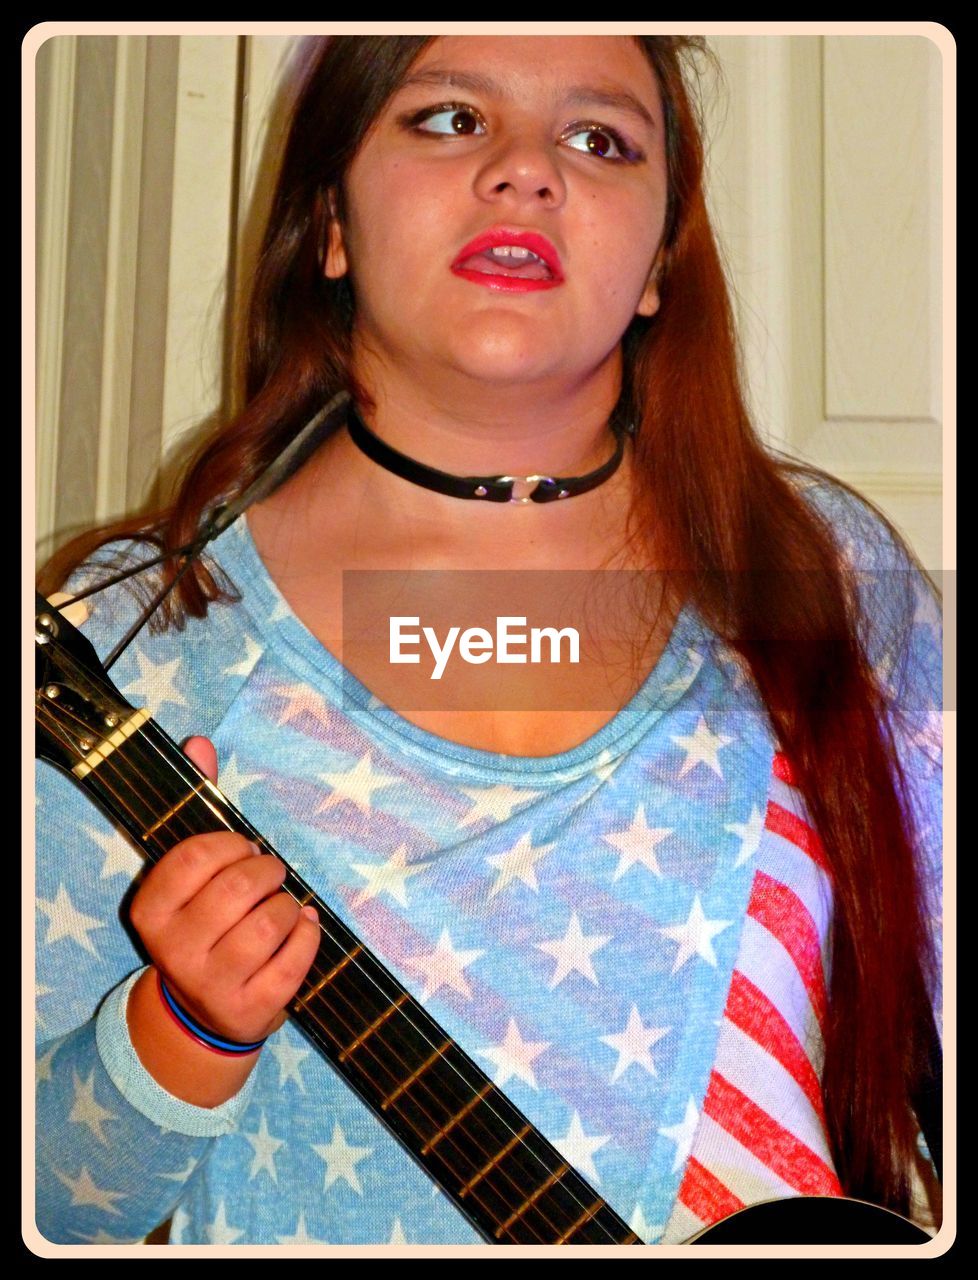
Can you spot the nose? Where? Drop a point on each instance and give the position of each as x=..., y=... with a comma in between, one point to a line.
x=522, y=169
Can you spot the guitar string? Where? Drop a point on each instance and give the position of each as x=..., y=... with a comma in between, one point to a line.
x=180, y=765
x=369, y=978
x=351, y=1029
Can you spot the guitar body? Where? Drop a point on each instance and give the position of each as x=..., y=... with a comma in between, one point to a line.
x=499, y=1171
x=815, y=1220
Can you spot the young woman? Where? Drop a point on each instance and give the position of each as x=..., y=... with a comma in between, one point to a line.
x=620, y=900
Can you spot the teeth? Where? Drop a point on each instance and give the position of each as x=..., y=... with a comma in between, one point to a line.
x=512, y=251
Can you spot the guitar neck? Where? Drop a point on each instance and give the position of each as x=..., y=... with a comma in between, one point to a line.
x=504, y=1176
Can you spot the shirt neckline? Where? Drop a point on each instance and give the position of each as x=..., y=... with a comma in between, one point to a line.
x=286, y=635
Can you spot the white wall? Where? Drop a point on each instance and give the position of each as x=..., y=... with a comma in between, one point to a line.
x=826, y=181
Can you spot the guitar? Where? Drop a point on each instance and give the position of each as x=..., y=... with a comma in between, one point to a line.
x=499, y=1171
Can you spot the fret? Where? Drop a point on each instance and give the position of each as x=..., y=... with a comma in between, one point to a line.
x=337, y=968
x=457, y=1117
x=171, y=812
x=432, y=1096
x=585, y=1217
x=530, y=1201
x=416, y=1075
x=491, y=1164
x=377, y=1022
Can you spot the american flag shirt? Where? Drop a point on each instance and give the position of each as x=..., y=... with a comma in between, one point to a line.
x=629, y=937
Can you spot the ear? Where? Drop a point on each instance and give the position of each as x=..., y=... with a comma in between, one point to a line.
x=335, y=264
x=648, y=303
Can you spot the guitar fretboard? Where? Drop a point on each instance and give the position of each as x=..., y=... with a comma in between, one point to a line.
x=482, y=1151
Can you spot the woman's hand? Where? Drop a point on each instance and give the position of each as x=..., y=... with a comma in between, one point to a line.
x=233, y=951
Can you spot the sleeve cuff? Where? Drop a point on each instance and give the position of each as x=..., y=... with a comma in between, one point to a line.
x=141, y=1091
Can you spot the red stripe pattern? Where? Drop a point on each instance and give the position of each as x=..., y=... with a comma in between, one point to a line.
x=782, y=913
x=765, y=1137
x=706, y=1196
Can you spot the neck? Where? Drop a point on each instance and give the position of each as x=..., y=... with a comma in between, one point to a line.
x=463, y=426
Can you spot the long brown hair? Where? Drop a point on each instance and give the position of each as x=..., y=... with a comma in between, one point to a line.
x=730, y=519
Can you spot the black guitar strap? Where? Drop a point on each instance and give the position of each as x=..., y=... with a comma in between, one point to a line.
x=295, y=453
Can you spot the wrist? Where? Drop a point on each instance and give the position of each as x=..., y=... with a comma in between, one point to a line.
x=181, y=1065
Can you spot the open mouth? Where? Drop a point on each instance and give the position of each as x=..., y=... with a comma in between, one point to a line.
x=510, y=260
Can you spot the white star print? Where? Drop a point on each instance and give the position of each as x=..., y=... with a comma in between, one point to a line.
x=496, y=803
x=66, y=921
x=397, y=1233
x=701, y=747
x=40, y=991
x=232, y=781
x=683, y=682
x=387, y=877
x=573, y=952
x=265, y=1146
x=738, y=669
x=220, y=1231
x=300, y=700
x=642, y=1229
x=85, y=1110
x=121, y=859
x=682, y=1135
x=928, y=613
x=514, y=1057
x=578, y=1148
x=443, y=967
x=638, y=844
x=154, y=684
x=44, y=1064
x=518, y=863
x=633, y=1044
x=606, y=765
x=182, y=1174
x=245, y=667
x=341, y=1160
x=178, y=1224
x=749, y=833
x=302, y=1235
x=930, y=734
x=356, y=785
x=103, y=1237
x=289, y=1056
x=694, y=937
x=84, y=1192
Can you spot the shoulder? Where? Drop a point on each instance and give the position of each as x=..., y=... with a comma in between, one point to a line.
x=864, y=536
x=190, y=671
x=896, y=603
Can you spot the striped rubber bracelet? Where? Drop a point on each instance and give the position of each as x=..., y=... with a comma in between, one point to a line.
x=217, y=1044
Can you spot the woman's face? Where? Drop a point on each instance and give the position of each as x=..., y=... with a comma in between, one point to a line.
x=504, y=213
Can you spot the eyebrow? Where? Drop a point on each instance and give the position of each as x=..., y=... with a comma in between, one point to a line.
x=580, y=95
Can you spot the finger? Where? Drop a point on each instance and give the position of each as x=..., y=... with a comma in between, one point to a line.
x=202, y=753
x=228, y=899
x=254, y=939
x=181, y=874
x=276, y=982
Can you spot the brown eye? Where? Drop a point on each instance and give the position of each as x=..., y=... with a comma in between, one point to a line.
x=464, y=122
x=606, y=144
x=448, y=120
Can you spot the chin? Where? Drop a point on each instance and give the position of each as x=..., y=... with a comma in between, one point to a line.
x=508, y=349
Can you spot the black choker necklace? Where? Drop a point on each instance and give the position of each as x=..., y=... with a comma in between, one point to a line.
x=522, y=489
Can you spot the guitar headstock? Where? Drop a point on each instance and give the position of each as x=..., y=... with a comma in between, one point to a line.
x=76, y=705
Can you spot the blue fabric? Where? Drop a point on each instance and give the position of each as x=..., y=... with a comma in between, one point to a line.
x=572, y=921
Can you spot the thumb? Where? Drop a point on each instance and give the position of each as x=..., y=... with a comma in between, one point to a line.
x=201, y=752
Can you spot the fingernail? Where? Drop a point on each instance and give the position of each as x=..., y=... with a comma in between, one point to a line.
x=310, y=913
x=254, y=847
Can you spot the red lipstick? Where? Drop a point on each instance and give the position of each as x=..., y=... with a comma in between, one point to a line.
x=539, y=269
